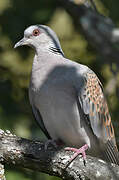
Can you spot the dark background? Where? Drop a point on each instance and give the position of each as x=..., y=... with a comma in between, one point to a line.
x=15, y=65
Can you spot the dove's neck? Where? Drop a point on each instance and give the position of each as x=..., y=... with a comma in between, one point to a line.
x=43, y=63
x=45, y=58
x=50, y=46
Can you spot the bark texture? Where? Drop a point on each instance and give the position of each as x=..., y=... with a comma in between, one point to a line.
x=32, y=155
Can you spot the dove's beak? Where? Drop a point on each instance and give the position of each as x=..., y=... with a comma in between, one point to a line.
x=22, y=42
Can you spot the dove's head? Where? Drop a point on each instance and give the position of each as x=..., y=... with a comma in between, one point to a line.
x=40, y=37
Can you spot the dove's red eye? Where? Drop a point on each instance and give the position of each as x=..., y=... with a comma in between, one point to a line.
x=36, y=32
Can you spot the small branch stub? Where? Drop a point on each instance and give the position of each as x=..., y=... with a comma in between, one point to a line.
x=2, y=172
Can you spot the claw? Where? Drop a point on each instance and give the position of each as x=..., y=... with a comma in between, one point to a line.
x=77, y=152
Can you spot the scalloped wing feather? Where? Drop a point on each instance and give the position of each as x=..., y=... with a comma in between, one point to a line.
x=95, y=106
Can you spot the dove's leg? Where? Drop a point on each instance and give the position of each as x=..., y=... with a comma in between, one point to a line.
x=77, y=152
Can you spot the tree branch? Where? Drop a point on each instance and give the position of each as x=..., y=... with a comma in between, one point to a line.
x=31, y=154
x=98, y=30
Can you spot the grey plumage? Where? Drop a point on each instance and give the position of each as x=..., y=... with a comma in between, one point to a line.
x=67, y=98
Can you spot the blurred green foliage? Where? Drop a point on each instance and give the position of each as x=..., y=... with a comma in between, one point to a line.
x=15, y=65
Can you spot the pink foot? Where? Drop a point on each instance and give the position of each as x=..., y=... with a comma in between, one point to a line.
x=77, y=152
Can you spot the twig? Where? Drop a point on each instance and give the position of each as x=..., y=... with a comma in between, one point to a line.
x=94, y=6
